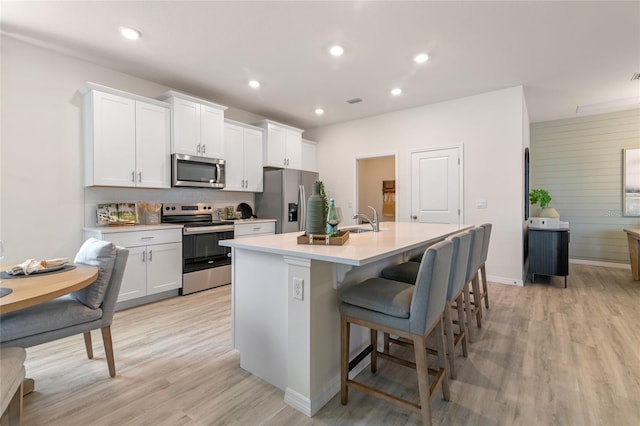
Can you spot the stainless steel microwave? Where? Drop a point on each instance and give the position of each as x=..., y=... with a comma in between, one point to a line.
x=198, y=172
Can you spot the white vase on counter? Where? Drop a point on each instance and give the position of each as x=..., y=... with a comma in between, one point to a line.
x=550, y=212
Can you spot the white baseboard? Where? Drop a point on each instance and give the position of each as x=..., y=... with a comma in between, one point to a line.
x=503, y=280
x=298, y=401
x=310, y=407
x=598, y=263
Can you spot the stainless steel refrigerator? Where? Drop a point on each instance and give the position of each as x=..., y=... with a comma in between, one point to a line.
x=284, y=198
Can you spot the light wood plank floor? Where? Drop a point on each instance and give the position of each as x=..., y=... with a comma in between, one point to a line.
x=545, y=356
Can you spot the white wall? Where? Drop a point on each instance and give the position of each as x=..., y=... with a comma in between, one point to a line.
x=492, y=128
x=42, y=208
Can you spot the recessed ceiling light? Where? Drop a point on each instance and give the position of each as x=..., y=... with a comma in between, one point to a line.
x=130, y=33
x=421, y=58
x=336, y=50
x=319, y=111
x=254, y=84
x=396, y=91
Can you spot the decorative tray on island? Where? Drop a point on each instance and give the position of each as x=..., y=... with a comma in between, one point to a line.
x=324, y=239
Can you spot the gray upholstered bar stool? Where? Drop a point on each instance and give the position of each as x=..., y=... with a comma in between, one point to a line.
x=405, y=272
x=473, y=308
x=410, y=311
x=457, y=281
x=408, y=271
x=484, y=292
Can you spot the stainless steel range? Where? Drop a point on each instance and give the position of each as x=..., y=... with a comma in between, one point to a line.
x=205, y=264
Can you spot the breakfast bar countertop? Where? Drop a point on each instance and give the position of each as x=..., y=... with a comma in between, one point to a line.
x=360, y=249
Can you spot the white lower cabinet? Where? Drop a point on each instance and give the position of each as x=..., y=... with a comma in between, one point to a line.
x=252, y=229
x=155, y=260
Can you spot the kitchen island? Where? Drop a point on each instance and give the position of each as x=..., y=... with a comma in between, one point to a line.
x=286, y=323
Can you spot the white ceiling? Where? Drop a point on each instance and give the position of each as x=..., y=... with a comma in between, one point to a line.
x=564, y=53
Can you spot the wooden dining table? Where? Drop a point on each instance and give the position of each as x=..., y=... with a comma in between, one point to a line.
x=33, y=289
x=633, y=236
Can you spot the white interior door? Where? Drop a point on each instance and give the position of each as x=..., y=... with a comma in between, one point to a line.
x=436, y=177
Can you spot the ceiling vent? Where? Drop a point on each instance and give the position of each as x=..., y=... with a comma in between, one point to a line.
x=354, y=100
x=635, y=76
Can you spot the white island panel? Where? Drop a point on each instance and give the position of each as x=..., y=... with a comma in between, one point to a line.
x=295, y=344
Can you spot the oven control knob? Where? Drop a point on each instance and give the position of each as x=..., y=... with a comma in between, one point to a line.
x=167, y=208
x=173, y=208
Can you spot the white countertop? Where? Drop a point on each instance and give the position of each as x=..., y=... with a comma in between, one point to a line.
x=256, y=220
x=161, y=226
x=360, y=249
x=131, y=228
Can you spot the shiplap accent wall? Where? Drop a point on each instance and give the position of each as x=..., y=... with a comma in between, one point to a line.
x=579, y=161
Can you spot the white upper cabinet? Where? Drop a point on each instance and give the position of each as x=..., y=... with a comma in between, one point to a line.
x=282, y=145
x=309, y=155
x=153, y=146
x=243, y=162
x=127, y=139
x=197, y=126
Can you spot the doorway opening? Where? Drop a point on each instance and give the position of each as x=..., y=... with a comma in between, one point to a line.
x=376, y=186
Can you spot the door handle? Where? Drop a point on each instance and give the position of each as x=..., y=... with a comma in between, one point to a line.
x=204, y=148
x=133, y=176
x=414, y=217
x=144, y=256
x=150, y=255
x=140, y=177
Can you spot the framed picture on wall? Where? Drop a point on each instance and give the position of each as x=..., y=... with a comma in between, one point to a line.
x=631, y=182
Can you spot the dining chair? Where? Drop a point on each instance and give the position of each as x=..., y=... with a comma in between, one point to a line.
x=88, y=309
x=412, y=312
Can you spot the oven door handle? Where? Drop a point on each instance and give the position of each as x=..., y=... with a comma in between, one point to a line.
x=207, y=229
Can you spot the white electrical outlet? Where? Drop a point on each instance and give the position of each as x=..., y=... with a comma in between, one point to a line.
x=298, y=288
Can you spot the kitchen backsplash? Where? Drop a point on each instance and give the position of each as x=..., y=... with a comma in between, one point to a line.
x=218, y=199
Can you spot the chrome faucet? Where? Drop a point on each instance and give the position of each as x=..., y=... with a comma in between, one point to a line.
x=374, y=223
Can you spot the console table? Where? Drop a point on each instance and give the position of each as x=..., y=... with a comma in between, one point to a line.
x=549, y=252
x=633, y=235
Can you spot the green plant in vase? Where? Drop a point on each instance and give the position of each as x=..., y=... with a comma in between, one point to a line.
x=542, y=197
x=325, y=203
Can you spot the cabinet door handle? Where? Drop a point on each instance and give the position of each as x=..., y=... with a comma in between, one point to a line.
x=198, y=148
x=140, y=177
x=144, y=256
x=204, y=148
x=150, y=255
x=414, y=217
x=147, y=238
x=133, y=177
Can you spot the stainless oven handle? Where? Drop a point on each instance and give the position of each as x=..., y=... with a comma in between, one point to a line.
x=207, y=229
